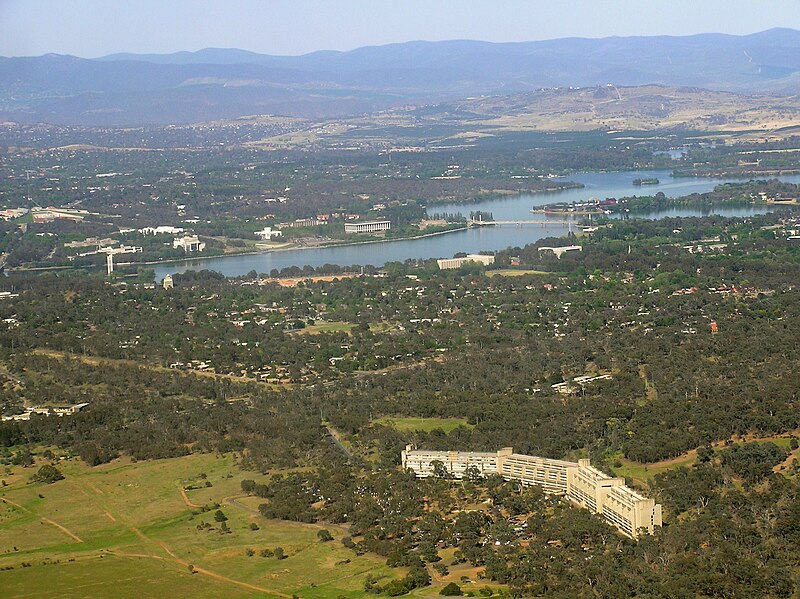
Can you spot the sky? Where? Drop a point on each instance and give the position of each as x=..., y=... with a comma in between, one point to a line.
x=92, y=28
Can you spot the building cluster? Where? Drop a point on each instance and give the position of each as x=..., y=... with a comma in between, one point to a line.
x=46, y=411
x=161, y=230
x=579, y=482
x=447, y=263
x=12, y=213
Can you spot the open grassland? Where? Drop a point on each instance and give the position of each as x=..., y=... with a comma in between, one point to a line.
x=644, y=473
x=422, y=424
x=132, y=529
x=514, y=272
x=326, y=327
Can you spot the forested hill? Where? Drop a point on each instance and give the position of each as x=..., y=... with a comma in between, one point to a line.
x=216, y=83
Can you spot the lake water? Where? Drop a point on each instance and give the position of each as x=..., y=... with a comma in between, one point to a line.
x=518, y=207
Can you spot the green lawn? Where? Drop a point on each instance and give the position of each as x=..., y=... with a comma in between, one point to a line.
x=422, y=424
x=645, y=472
x=514, y=272
x=334, y=326
x=123, y=530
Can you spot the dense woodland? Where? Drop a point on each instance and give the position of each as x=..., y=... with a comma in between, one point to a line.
x=720, y=541
x=248, y=366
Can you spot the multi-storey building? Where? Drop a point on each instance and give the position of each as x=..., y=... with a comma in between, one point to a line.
x=585, y=486
x=456, y=462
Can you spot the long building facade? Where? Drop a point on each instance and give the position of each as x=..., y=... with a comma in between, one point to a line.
x=585, y=486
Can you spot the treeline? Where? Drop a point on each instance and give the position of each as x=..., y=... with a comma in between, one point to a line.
x=633, y=304
x=719, y=540
x=149, y=414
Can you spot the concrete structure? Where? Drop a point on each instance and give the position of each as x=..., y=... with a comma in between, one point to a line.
x=189, y=243
x=168, y=283
x=111, y=252
x=583, y=485
x=267, y=233
x=12, y=213
x=447, y=263
x=49, y=214
x=46, y=411
x=303, y=222
x=560, y=251
x=372, y=226
x=161, y=230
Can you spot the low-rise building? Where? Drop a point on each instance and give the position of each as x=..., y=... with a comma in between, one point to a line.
x=161, y=230
x=266, y=234
x=447, y=263
x=372, y=226
x=579, y=482
x=189, y=243
x=303, y=222
x=12, y=213
x=560, y=251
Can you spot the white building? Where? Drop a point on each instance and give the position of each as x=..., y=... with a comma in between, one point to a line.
x=11, y=213
x=583, y=485
x=446, y=263
x=560, y=251
x=372, y=226
x=161, y=230
x=266, y=234
x=189, y=243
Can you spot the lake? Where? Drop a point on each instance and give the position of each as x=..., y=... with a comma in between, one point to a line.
x=517, y=207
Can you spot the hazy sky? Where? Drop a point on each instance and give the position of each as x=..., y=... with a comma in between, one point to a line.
x=91, y=28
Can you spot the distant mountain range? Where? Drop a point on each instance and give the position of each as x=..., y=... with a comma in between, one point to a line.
x=185, y=87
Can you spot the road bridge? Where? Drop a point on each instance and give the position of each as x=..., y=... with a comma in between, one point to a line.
x=539, y=222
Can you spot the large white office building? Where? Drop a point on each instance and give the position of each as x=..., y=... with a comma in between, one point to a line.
x=585, y=486
x=372, y=226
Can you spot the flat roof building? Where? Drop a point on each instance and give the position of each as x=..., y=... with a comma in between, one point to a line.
x=372, y=226
x=579, y=482
x=189, y=243
x=560, y=251
x=448, y=263
x=267, y=233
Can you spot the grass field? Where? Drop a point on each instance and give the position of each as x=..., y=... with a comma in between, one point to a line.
x=514, y=272
x=422, y=424
x=645, y=472
x=126, y=530
x=326, y=327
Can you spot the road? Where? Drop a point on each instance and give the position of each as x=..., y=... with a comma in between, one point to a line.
x=334, y=434
x=11, y=377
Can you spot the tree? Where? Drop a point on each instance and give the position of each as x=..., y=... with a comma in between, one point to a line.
x=279, y=553
x=439, y=469
x=325, y=535
x=48, y=474
x=472, y=473
x=451, y=590
x=219, y=516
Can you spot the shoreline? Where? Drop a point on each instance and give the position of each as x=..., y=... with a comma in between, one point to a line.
x=236, y=254
x=293, y=249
